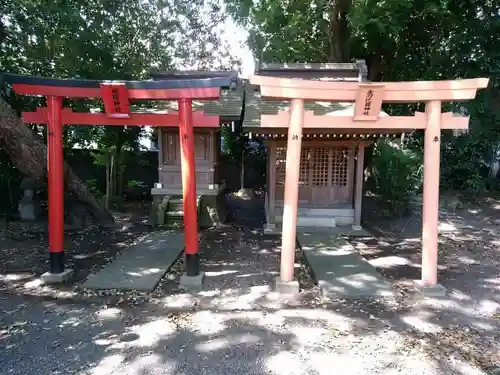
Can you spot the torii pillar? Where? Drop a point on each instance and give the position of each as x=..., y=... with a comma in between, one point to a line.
x=430, y=205
x=289, y=223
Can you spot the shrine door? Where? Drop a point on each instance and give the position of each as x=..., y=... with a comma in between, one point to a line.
x=326, y=174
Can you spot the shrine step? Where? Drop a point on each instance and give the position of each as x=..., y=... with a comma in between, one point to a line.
x=175, y=210
x=342, y=216
x=316, y=221
x=175, y=204
x=325, y=221
x=325, y=212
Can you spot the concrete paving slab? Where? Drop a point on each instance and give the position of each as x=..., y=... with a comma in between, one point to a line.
x=341, y=272
x=141, y=266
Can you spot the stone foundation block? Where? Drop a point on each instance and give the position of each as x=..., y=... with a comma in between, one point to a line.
x=270, y=229
x=287, y=287
x=192, y=282
x=56, y=278
x=430, y=290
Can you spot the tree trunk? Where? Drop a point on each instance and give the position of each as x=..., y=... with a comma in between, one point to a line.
x=375, y=67
x=119, y=185
x=119, y=171
x=28, y=153
x=242, y=172
x=108, y=182
x=339, y=32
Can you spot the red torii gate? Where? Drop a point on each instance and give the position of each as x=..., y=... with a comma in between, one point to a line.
x=116, y=97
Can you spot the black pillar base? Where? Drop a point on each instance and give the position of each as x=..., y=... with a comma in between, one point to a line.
x=192, y=263
x=57, y=262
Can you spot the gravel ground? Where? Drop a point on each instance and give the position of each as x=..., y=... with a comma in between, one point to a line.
x=23, y=245
x=236, y=325
x=50, y=338
x=469, y=259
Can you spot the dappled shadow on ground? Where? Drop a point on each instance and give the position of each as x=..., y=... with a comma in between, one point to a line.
x=24, y=248
x=240, y=267
x=146, y=341
x=238, y=325
x=352, y=338
x=469, y=259
x=25, y=256
x=237, y=258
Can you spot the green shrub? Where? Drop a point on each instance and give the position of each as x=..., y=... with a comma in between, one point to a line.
x=396, y=176
x=93, y=187
x=136, y=190
x=465, y=166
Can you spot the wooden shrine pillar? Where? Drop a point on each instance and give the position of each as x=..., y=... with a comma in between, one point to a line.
x=430, y=209
x=271, y=178
x=289, y=231
x=358, y=192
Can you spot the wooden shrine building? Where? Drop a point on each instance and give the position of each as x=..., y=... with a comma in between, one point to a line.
x=331, y=159
x=167, y=193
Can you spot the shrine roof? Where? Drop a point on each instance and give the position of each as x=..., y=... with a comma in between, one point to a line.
x=158, y=75
x=255, y=105
x=228, y=107
x=356, y=71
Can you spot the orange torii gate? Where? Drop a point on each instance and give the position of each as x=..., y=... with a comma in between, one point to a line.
x=117, y=97
x=368, y=98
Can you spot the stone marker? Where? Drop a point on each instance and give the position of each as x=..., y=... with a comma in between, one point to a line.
x=29, y=206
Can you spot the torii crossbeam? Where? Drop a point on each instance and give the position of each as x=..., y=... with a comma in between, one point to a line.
x=116, y=96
